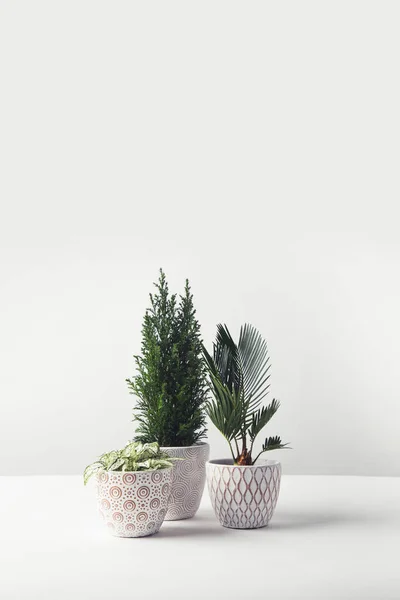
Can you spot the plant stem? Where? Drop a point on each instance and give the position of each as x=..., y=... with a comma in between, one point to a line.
x=233, y=455
x=237, y=447
x=258, y=456
x=245, y=457
x=251, y=447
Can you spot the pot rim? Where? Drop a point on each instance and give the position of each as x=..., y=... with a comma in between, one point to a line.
x=134, y=472
x=228, y=462
x=198, y=445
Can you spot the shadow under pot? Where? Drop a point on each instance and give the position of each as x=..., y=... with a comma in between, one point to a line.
x=243, y=497
x=133, y=503
x=188, y=480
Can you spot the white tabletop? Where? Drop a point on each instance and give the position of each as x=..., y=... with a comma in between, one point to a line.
x=330, y=538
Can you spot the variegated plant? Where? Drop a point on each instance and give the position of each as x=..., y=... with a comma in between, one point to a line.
x=135, y=456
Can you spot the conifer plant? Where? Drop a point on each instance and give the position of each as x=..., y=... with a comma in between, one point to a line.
x=170, y=387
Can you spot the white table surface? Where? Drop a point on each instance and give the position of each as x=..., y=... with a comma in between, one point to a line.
x=330, y=538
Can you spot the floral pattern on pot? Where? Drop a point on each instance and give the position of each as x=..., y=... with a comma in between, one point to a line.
x=133, y=504
x=188, y=480
x=243, y=497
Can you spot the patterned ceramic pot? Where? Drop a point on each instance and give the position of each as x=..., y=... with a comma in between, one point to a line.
x=133, y=504
x=188, y=479
x=243, y=497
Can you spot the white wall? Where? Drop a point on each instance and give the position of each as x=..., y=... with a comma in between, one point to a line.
x=251, y=146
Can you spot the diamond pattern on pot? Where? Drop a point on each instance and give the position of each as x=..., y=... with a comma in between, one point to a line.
x=244, y=497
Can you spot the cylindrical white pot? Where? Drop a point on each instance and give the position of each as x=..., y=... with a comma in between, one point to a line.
x=188, y=479
x=133, y=503
x=243, y=497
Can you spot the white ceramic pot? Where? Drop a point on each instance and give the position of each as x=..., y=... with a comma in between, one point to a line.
x=243, y=497
x=133, y=503
x=188, y=480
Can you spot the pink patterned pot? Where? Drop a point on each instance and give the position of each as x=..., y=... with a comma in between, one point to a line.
x=188, y=480
x=133, y=503
x=243, y=497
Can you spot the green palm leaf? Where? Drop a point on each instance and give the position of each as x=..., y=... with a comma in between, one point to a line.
x=273, y=443
x=226, y=357
x=239, y=379
x=261, y=417
x=254, y=362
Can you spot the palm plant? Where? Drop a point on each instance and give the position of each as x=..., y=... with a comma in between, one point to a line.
x=135, y=456
x=239, y=377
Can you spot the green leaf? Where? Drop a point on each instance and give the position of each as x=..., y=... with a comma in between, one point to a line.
x=273, y=443
x=254, y=361
x=135, y=456
x=92, y=470
x=239, y=381
x=261, y=417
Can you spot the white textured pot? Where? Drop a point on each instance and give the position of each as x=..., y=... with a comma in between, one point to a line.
x=133, y=503
x=243, y=497
x=188, y=479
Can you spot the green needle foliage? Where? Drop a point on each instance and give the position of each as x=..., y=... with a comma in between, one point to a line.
x=239, y=377
x=134, y=457
x=170, y=384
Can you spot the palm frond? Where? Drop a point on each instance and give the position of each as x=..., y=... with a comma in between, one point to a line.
x=273, y=443
x=261, y=417
x=254, y=361
x=228, y=409
x=225, y=410
x=239, y=379
x=226, y=357
x=209, y=360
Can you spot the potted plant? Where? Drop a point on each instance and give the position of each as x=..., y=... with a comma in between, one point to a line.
x=133, y=488
x=243, y=489
x=171, y=390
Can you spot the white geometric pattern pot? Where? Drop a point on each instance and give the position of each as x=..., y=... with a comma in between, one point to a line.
x=188, y=480
x=133, y=503
x=243, y=497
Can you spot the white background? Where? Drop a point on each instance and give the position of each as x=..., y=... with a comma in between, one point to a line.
x=250, y=146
